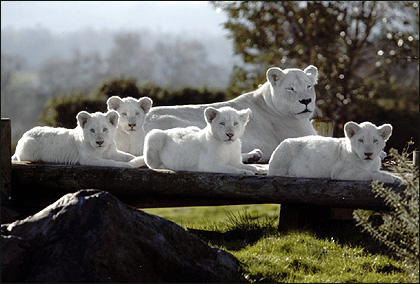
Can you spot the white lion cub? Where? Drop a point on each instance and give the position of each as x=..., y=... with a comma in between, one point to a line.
x=215, y=148
x=355, y=157
x=90, y=143
x=130, y=134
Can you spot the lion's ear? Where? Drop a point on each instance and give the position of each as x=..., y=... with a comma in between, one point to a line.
x=385, y=131
x=114, y=103
x=312, y=72
x=145, y=104
x=351, y=128
x=82, y=118
x=244, y=115
x=274, y=74
x=210, y=114
x=113, y=117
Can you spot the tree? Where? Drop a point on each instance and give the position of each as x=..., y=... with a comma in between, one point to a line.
x=79, y=72
x=355, y=45
x=183, y=63
x=130, y=58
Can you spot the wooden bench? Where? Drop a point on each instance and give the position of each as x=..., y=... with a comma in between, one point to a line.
x=304, y=201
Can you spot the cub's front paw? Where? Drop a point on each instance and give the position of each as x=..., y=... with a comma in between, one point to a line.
x=246, y=172
x=260, y=169
x=253, y=157
x=397, y=179
x=137, y=162
x=388, y=178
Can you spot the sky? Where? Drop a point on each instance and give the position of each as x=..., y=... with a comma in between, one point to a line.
x=192, y=17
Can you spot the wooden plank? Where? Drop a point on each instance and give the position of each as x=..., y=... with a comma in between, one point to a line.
x=160, y=188
x=5, y=160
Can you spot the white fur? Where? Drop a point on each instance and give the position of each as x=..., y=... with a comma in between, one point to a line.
x=90, y=143
x=216, y=148
x=355, y=157
x=278, y=111
x=130, y=134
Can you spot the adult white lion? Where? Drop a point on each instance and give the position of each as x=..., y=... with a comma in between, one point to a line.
x=281, y=108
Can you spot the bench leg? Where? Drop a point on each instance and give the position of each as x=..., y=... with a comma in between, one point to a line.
x=6, y=166
x=295, y=217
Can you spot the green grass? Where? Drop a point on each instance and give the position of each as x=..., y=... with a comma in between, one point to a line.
x=249, y=233
x=302, y=258
x=214, y=217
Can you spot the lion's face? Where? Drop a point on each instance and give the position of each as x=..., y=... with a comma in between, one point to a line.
x=227, y=124
x=98, y=128
x=292, y=91
x=132, y=112
x=366, y=139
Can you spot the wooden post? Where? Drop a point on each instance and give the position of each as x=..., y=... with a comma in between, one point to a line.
x=323, y=127
x=6, y=166
x=309, y=216
x=416, y=158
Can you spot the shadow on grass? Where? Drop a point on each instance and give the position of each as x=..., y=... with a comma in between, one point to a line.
x=234, y=240
x=244, y=230
x=345, y=232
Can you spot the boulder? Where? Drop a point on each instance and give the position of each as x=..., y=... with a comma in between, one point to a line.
x=90, y=236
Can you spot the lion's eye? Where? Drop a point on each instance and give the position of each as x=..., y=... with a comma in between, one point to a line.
x=105, y=129
x=235, y=123
x=222, y=123
x=137, y=113
x=92, y=130
x=124, y=113
x=290, y=89
x=361, y=140
x=375, y=141
x=309, y=87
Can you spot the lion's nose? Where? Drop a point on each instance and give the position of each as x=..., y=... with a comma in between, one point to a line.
x=306, y=101
x=368, y=154
x=99, y=142
x=132, y=125
x=230, y=135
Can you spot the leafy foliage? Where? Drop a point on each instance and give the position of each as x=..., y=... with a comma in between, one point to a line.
x=364, y=50
x=61, y=111
x=399, y=228
x=120, y=87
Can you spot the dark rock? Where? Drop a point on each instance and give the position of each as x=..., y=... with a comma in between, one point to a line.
x=90, y=236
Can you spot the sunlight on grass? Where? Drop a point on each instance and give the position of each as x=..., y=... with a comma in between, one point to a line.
x=249, y=232
x=302, y=258
x=211, y=217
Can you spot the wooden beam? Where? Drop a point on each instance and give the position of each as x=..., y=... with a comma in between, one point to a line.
x=35, y=182
x=5, y=160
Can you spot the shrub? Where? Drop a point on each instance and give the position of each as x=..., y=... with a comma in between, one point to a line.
x=61, y=111
x=120, y=87
x=399, y=228
x=161, y=97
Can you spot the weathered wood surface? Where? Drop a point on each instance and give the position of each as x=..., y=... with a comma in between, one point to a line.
x=5, y=159
x=36, y=182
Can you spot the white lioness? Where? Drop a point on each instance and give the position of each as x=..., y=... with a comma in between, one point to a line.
x=281, y=108
x=355, y=157
x=90, y=143
x=216, y=148
x=130, y=134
